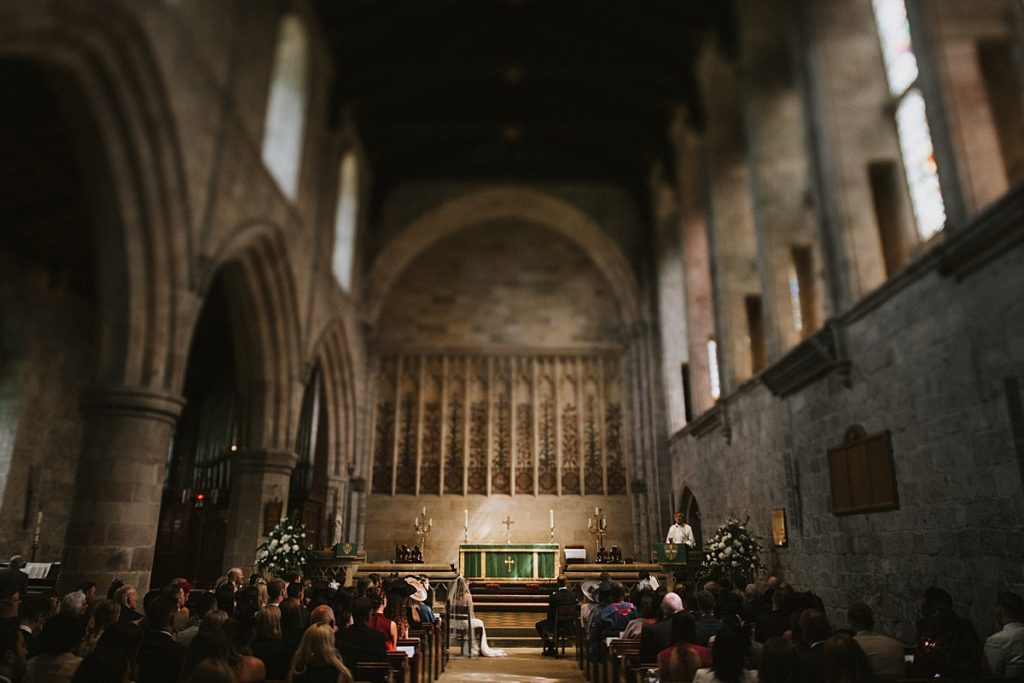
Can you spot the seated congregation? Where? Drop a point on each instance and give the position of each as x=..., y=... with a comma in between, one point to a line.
x=718, y=633
x=244, y=631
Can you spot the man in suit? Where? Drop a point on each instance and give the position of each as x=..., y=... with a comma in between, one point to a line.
x=32, y=612
x=160, y=655
x=561, y=596
x=656, y=637
x=359, y=643
x=885, y=654
x=12, y=651
x=816, y=630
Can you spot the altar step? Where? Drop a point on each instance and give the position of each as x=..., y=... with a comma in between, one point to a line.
x=511, y=628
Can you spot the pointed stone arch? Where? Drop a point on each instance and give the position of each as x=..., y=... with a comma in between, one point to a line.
x=691, y=513
x=332, y=354
x=146, y=242
x=507, y=201
x=260, y=288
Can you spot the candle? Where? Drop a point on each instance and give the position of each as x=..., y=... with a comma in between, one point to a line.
x=551, y=513
x=417, y=521
x=465, y=518
x=424, y=511
x=597, y=511
x=430, y=522
x=39, y=526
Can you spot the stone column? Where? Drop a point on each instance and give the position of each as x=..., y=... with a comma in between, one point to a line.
x=258, y=476
x=125, y=436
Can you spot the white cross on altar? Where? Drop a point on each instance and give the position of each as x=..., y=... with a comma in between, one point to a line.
x=508, y=525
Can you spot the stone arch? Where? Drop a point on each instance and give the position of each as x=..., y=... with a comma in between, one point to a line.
x=691, y=513
x=333, y=353
x=504, y=202
x=144, y=251
x=260, y=288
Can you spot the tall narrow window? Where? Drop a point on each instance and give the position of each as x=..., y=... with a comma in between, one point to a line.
x=345, y=220
x=687, y=393
x=911, y=121
x=755, y=328
x=1006, y=101
x=716, y=386
x=286, y=107
x=801, y=290
x=884, y=178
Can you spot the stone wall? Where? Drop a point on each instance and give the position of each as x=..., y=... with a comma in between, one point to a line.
x=932, y=358
x=503, y=284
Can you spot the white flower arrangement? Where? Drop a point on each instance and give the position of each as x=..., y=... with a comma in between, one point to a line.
x=285, y=550
x=732, y=549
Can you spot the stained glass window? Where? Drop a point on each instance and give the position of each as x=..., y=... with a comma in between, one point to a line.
x=919, y=164
x=897, y=50
x=794, y=301
x=716, y=386
x=911, y=119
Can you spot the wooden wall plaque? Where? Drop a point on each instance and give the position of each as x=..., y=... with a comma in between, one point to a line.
x=862, y=473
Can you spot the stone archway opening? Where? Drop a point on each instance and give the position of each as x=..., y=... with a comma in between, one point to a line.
x=691, y=515
x=196, y=495
x=55, y=197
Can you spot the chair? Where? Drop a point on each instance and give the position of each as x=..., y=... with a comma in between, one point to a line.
x=563, y=627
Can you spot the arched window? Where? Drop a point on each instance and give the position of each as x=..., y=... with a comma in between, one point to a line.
x=286, y=107
x=345, y=220
x=911, y=122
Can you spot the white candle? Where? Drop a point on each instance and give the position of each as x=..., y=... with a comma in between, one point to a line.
x=597, y=511
x=424, y=511
x=551, y=513
x=430, y=522
x=39, y=526
x=417, y=521
x=465, y=518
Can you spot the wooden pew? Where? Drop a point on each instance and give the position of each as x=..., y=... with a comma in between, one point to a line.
x=370, y=672
x=621, y=652
x=399, y=665
x=416, y=661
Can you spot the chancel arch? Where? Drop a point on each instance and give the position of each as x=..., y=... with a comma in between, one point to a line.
x=499, y=386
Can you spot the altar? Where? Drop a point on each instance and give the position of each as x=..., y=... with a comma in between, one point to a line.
x=509, y=561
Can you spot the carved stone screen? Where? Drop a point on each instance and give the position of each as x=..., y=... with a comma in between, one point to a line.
x=499, y=424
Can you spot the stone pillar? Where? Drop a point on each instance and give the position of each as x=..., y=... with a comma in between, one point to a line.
x=125, y=436
x=258, y=477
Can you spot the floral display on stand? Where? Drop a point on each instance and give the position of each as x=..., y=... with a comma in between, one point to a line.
x=285, y=551
x=732, y=550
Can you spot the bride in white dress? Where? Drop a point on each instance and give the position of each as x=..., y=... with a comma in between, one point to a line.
x=462, y=613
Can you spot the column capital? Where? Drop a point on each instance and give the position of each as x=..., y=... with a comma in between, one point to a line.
x=131, y=402
x=265, y=460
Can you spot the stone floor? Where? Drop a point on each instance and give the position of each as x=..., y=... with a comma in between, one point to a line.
x=522, y=665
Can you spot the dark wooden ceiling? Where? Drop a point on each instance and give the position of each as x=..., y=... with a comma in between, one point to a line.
x=517, y=89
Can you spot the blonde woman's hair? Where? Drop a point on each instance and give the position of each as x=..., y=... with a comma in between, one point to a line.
x=317, y=649
x=268, y=623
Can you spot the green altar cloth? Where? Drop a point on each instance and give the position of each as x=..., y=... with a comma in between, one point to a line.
x=509, y=561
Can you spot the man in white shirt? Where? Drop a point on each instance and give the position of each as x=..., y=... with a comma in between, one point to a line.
x=680, y=532
x=885, y=654
x=1004, y=649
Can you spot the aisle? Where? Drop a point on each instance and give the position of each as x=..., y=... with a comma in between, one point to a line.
x=522, y=665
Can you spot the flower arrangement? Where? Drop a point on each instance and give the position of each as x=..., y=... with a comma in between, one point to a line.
x=733, y=549
x=285, y=549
